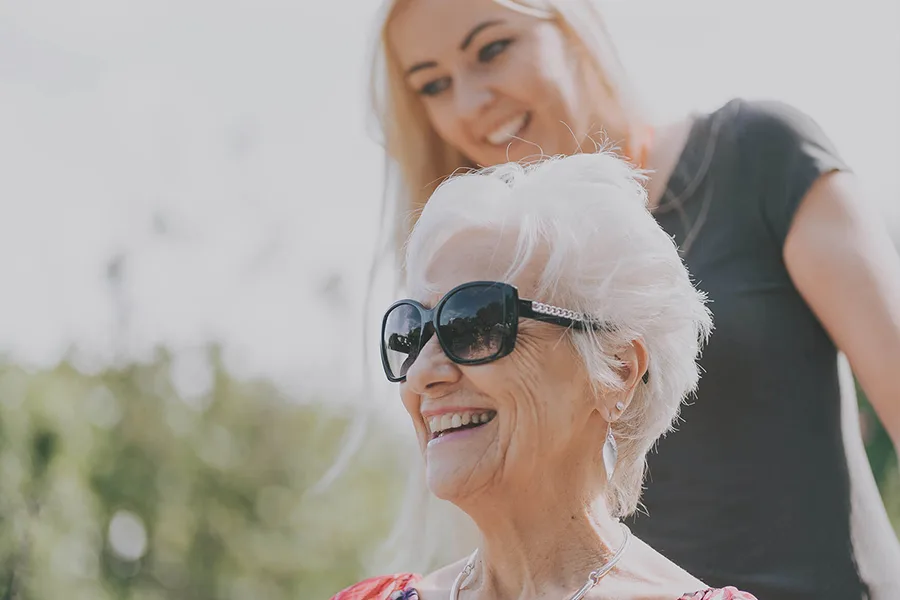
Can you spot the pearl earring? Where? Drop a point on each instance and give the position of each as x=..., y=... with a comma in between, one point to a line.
x=620, y=406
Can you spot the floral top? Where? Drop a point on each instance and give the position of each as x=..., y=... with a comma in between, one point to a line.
x=398, y=587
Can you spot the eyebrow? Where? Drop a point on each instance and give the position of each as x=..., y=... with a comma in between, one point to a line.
x=420, y=66
x=467, y=41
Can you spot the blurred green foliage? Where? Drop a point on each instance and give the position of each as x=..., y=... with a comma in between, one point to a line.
x=114, y=487
x=111, y=486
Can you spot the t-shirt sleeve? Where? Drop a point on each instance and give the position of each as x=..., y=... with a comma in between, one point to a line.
x=783, y=151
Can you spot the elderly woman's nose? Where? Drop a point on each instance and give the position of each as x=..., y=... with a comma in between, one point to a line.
x=431, y=368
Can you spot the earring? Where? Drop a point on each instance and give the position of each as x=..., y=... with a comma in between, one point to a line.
x=620, y=406
x=610, y=454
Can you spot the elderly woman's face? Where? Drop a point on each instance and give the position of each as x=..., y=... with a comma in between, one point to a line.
x=496, y=84
x=525, y=412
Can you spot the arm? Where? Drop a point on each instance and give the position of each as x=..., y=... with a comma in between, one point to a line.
x=842, y=261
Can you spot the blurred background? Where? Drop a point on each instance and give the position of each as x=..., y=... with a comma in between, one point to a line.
x=188, y=201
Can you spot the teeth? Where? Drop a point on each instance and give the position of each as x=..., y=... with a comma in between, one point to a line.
x=439, y=424
x=506, y=131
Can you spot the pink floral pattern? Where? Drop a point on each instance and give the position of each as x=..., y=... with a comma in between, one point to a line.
x=728, y=593
x=398, y=587
x=378, y=588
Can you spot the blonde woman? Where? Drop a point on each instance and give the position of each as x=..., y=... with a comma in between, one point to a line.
x=766, y=485
x=551, y=334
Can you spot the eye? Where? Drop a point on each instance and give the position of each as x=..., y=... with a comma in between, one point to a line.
x=492, y=50
x=433, y=88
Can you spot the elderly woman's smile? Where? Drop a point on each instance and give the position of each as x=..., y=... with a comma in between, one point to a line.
x=447, y=423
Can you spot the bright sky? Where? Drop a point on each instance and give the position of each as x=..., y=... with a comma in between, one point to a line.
x=220, y=149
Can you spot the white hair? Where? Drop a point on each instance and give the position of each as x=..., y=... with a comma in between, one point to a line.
x=607, y=257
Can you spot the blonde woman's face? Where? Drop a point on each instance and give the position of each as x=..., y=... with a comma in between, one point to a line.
x=497, y=85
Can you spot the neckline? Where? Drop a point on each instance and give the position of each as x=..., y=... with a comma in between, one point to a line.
x=411, y=593
x=679, y=175
x=693, y=161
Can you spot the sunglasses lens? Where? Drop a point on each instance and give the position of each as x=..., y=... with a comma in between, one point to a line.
x=472, y=323
x=401, y=338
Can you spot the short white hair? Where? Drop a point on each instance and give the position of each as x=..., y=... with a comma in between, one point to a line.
x=606, y=257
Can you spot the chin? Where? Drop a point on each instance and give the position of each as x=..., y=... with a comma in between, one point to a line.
x=522, y=151
x=458, y=458
x=443, y=490
x=442, y=487
x=453, y=482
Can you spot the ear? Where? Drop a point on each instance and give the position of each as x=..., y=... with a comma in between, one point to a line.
x=635, y=361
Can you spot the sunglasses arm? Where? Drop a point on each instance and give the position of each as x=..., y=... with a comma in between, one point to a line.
x=555, y=315
x=562, y=317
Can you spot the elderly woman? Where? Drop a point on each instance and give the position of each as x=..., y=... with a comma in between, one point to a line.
x=767, y=485
x=550, y=339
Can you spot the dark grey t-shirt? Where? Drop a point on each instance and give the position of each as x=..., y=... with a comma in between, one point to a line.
x=753, y=490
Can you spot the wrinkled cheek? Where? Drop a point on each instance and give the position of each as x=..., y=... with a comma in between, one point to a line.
x=411, y=406
x=521, y=462
x=424, y=437
x=523, y=442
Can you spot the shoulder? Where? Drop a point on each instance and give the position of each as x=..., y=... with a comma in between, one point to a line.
x=767, y=113
x=381, y=588
x=764, y=116
x=775, y=127
x=376, y=588
x=727, y=593
x=437, y=584
x=776, y=154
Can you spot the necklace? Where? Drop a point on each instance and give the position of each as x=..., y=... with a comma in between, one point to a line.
x=593, y=579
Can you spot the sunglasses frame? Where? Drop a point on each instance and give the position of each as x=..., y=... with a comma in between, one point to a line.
x=514, y=308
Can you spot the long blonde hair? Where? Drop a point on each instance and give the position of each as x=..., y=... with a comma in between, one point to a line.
x=417, y=158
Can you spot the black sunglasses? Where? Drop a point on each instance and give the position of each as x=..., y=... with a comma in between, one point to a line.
x=475, y=323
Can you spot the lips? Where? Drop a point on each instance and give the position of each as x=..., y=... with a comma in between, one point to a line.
x=440, y=425
x=509, y=129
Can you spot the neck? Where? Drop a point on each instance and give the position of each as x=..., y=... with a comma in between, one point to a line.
x=547, y=544
x=545, y=553
x=632, y=136
x=639, y=145
x=668, y=143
